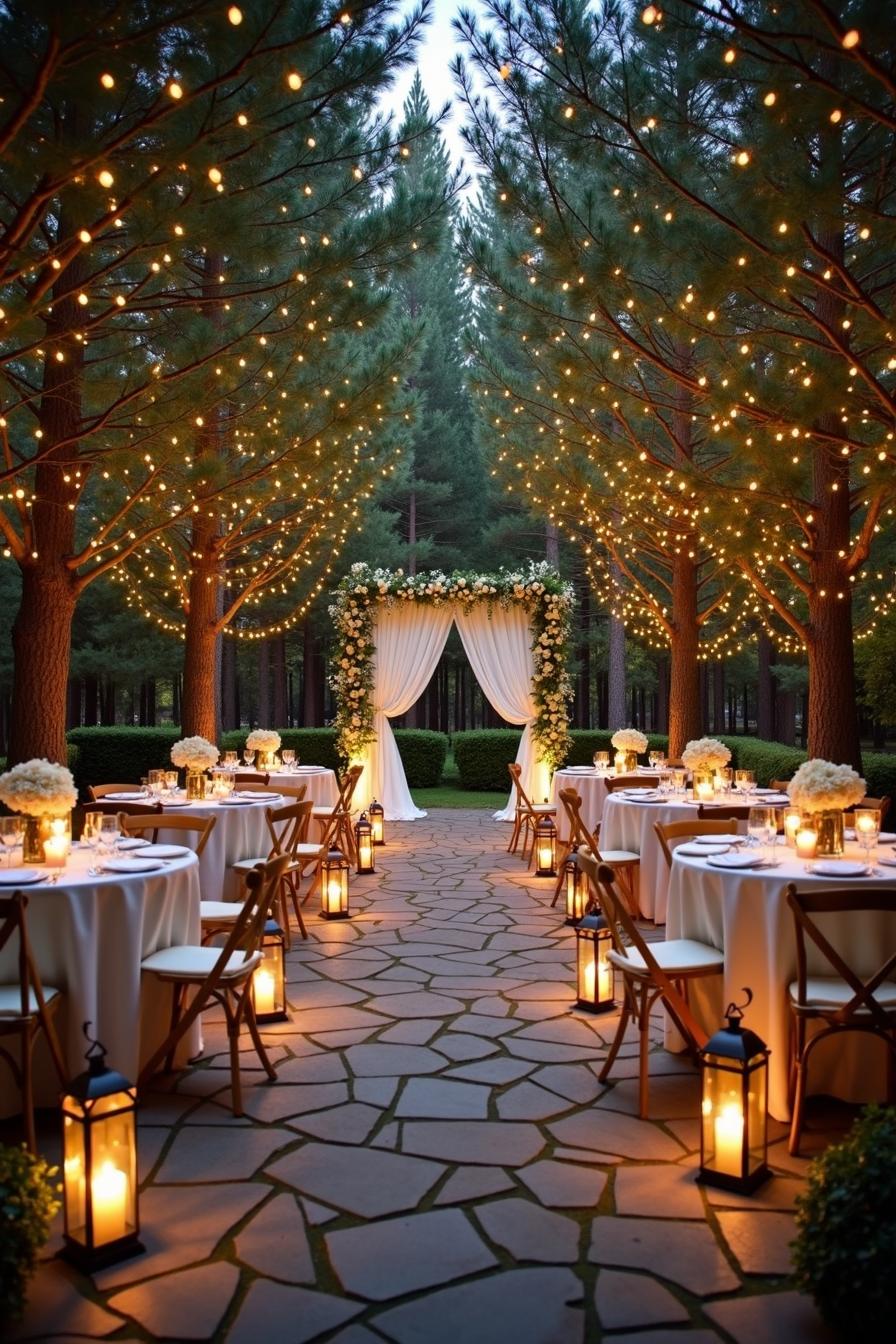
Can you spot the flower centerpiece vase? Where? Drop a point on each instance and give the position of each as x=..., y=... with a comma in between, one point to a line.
x=196, y=780
x=828, y=826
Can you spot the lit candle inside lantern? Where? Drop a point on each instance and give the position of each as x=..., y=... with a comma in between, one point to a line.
x=263, y=986
x=619, y=762
x=729, y=1137
x=334, y=894
x=604, y=982
x=109, y=1193
x=705, y=790
x=56, y=845
x=806, y=840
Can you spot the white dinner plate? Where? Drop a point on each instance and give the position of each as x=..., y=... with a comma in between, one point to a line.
x=164, y=852
x=638, y=793
x=770, y=792
x=725, y=839
x=135, y=797
x=132, y=842
x=579, y=770
x=701, y=850
x=236, y=801
x=736, y=860
x=839, y=868
x=306, y=770
x=130, y=865
x=19, y=877
x=259, y=795
x=176, y=802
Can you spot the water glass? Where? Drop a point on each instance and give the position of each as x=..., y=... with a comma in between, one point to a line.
x=288, y=757
x=761, y=825
x=110, y=834
x=231, y=760
x=11, y=829
x=744, y=781
x=249, y=757
x=867, y=824
x=171, y=782
x=601, y=760
x=679, y=781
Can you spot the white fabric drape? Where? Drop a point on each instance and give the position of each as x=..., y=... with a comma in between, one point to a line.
x=409, y=640
x=497, y=641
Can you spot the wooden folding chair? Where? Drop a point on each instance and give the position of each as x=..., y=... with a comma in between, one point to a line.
x=667, y=831
x=882, y=805
x=624, y=862
x=527, y=814
x=99, y=791
x=296, y=792
x=288, y=829
x=219, y=975
x=615, y=783
x=26, y=1009
x=336, y=822
x=726, y=811
x=242, y=777
x=650, y=972
x=198, y=827
x=845, y=1001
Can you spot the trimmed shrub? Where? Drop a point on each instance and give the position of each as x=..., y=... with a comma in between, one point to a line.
x=423, y=755
x=846, y=1230
x=313, y=746
x=586, y=741
x=481, y=756
x=120, y=755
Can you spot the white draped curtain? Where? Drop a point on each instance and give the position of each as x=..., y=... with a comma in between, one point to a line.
x=498, y=643
x=409, y=641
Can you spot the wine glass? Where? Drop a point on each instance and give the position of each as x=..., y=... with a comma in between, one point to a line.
x=758, y=825
x=744, y=781
x=288, y=756
x=231, y=760
x=248, y=757
x=601, y=760
x=867, y=824
x=11, y=834
x=110, y=834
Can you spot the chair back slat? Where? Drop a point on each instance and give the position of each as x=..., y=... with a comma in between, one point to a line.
x=288, y=827
x=579, y=833
x=251, y=777
x=516, y=774
x=626, y=934
x=198, y=826
x=677, y=830
x=724, y=812
x=625, y=782
x=803, y=905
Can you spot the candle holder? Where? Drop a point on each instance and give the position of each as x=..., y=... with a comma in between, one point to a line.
x=546, y=847
x=377, y=816
x=829, y=826
x=334, y=886
x=594, y=970
x=703, y=786
x=734, y=1128
x=364, y=845
x=99, y=1152
x=792, y=823
x=269, y=977
x=575, y=886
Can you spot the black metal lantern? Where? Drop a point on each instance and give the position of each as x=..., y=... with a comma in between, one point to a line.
x=378, y=822
x=734, y=1122
x=334, y=885
x=269, y=977
x=364, y=845
x=546, y=847
x=99, y=1163
x=575, y=888
x=594, y=970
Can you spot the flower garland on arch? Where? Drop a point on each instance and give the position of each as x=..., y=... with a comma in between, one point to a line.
x=539, y=588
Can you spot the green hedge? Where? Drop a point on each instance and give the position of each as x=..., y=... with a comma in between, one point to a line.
x=123, y=755
x=772, y=760
x=586, y=741
x=481, y=757
x=120, y=755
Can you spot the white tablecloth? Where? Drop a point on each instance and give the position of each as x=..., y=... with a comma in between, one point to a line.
x=744, y=914
x=591, y=786
x=89, y=933
x=628, y=824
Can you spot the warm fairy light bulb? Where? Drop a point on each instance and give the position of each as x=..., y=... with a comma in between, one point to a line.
x=836, y=116
x=84, y=236
x=294, y=80
x=107, y=81
x=851, y=39
x=650, y=15
x=730, y=54
x=105, y=178
x=214, y=175
x=235, y=15
x=568, y=112
x=504, y=71
x=175, y=90
x=770, y=99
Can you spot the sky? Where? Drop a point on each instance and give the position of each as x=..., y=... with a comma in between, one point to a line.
x=438, y=47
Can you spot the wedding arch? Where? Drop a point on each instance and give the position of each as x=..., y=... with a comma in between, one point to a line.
x=391, y=628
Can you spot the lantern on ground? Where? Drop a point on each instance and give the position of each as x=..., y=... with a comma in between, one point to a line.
x=99, y=1162
x=364, y=845
x=594, y=970
x=575, y=888
x=546, y=847
x=377, y=822
x=334, y=885
x=269, y=976
x=734, y=1123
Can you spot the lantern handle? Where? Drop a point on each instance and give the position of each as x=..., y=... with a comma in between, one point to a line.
x=735, y=1011
x=96, y=1051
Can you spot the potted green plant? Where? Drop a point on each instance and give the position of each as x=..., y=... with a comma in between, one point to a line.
x=27, y=1205
x=846, y=1240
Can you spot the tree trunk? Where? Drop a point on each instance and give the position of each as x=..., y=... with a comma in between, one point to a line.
x=200, y=647
x=264, y=684
x=684, y=681
x=616, y=716
x=278, y=678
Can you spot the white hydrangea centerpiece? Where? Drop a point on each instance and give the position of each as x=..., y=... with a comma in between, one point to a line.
x=194, y=753
x=821, y=786
x=263, y=739
x=38, y=788
x=629, y=739
x=705, y=753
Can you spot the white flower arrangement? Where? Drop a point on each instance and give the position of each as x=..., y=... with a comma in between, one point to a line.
x=194, y=753
x=820, y=786
x=705, y=753
x=539, y=589
x=629, y=739
x=38, y=788
x=263, y=739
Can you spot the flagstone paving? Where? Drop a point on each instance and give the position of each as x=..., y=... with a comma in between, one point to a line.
x=438, y=1160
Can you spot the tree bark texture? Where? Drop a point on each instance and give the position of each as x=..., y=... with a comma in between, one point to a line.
x=616, y=714
x=198, y=718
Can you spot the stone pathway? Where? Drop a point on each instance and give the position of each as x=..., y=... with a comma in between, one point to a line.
x=437, y=1161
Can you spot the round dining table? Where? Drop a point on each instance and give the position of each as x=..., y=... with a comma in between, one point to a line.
x=89, y=931
x=591, y=786
x=743, y=913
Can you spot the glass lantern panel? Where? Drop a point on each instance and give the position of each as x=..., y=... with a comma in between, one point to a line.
x=723, y=1117
x=267, y=980
x=74, y=1166
x=757, y=1105
x=575, y=894
x=113, y=1177
x=586, y=979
